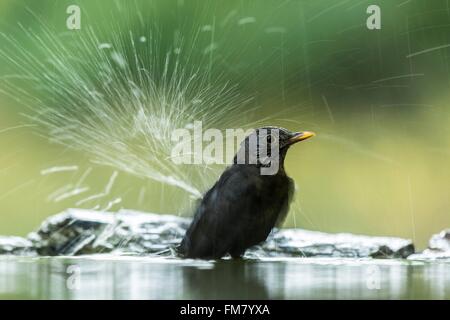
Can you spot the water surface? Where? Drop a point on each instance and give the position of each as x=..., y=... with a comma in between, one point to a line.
x=112, y=277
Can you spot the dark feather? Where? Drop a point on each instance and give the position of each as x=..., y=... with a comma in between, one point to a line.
x=243, y=206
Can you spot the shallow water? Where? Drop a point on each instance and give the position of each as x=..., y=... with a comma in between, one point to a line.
x=112, y=277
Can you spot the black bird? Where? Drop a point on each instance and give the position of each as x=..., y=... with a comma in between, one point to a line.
x=243, y=206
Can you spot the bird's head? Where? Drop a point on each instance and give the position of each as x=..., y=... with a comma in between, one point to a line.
x=267, y=146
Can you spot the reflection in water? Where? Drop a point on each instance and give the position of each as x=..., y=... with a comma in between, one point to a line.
x=111, y=277
x=229, y=279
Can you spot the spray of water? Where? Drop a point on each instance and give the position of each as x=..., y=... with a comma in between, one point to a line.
x=119, y=101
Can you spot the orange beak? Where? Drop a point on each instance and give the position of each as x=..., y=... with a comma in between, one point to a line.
x=300, y=136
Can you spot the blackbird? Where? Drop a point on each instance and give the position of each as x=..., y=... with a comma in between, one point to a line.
x=243, y=206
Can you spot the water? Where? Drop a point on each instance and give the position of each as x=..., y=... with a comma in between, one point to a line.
x=112, y=277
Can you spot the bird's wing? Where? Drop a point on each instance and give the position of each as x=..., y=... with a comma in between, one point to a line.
x=285, y=204
x=225, y=213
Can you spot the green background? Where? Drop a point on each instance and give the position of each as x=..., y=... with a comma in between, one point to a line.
x=377, y=101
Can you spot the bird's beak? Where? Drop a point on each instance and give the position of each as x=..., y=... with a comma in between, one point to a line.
x=300, y=136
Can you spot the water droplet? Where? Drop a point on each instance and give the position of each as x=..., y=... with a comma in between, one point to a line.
x=246, y=20
x=207, y=27
x=210, y=48
x=102, y=46
x=275, y=30
x=118, y=58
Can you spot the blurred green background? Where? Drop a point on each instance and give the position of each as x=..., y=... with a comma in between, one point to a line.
x=378, y=100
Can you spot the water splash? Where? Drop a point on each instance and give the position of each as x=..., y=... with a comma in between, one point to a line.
x=58, y=169
x=117, y=103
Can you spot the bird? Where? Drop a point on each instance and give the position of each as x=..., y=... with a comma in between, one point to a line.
x=244, y=205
